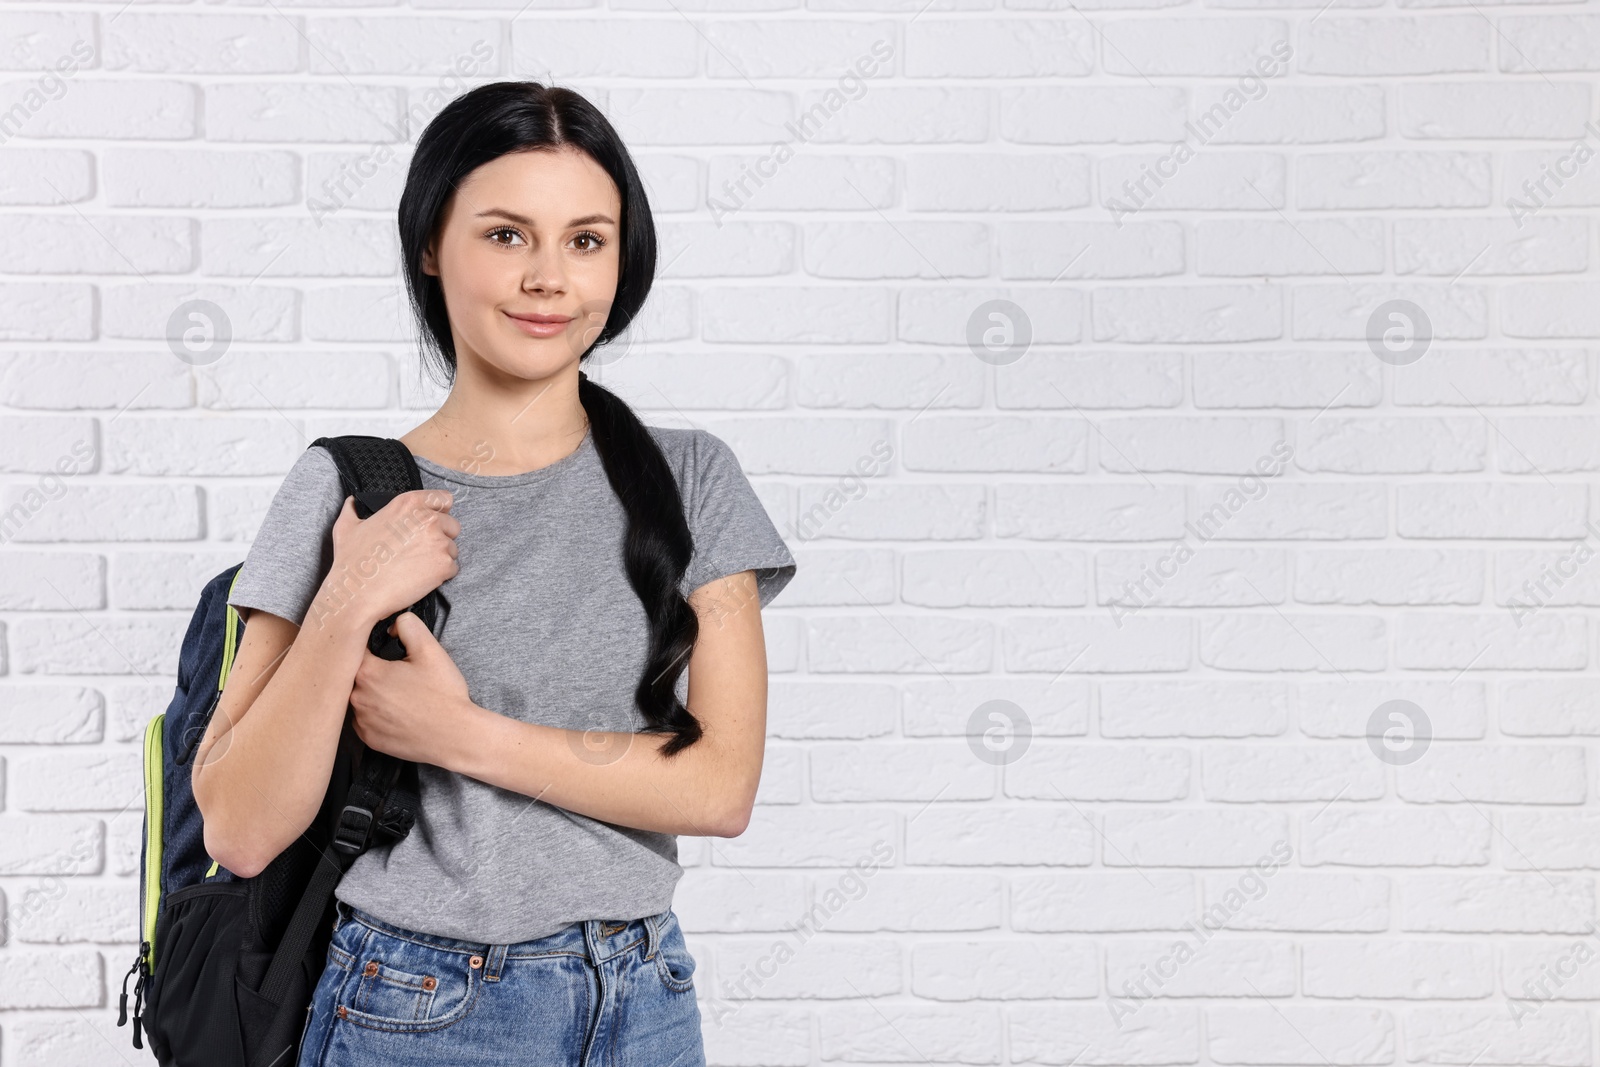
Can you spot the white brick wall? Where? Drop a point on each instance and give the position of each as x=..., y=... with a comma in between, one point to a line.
x=1077, y=703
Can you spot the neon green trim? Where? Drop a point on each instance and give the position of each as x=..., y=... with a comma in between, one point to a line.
x=151, y=905
x=152, y=829
x=229, y=638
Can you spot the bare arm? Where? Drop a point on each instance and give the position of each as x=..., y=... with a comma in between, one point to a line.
x=264, y=763
x=707, y=790
x=263, y=766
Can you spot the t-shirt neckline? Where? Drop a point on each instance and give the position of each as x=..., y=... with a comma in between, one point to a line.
x=538, y=474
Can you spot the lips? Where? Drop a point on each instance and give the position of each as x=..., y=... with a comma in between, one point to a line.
x=543, y=319
x=540, y=326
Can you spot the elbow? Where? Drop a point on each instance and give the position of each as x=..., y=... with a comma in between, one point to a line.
x=238, y=862
x=227, y=848
x=736, y=802
x=735, y=820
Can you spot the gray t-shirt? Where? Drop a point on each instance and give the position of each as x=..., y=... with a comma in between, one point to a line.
x=545, y=628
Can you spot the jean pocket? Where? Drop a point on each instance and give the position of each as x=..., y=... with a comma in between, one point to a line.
x=403, y=986
x=674, y=963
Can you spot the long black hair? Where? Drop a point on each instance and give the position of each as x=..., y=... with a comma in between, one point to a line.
x=510, y=116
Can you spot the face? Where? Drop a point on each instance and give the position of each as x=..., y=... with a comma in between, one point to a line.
x=527, y=256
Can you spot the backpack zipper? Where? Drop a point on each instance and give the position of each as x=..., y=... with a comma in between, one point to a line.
x=154, y=800
x=150, y=869
x=149, y=878
x=230, y=647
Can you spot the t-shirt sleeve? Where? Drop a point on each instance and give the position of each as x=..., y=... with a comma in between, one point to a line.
x=732, y=531
x=283, y=569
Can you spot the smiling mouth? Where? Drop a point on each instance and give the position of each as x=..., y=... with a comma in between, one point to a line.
x=544, y=320
x=540, y=325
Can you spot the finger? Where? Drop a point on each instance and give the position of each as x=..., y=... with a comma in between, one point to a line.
x=405, y=626
x=439, y=500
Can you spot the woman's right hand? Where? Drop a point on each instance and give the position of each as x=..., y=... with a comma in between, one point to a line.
x=403, y=552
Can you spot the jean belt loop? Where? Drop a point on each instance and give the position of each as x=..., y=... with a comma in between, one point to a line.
x=652, y=936
x=492, y=963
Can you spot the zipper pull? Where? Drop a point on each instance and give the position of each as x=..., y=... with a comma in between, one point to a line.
x=122, y=1004
x=138, y=994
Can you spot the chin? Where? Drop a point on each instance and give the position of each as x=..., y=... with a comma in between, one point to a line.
x=529, y=359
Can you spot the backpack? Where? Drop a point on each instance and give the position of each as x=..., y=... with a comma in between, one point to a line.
x=227, y=965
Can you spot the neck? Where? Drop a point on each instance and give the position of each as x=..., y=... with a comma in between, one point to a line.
x=499, y=424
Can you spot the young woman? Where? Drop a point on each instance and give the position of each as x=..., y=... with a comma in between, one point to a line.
x=589, y=561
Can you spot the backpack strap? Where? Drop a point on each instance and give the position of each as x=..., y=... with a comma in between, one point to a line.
x=384, y=795
x=383, y=799
x=376, y=779
x=375, y=470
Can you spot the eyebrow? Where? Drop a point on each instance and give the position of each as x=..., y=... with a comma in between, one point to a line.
x=587, y=220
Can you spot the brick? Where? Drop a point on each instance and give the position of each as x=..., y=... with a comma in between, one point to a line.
x=1092, y=114
x=193, y=178
x=30, y=176
x=429, y=45
x=212, y=43
x=1161, y=708
x=1005, y=48
x=995, y=578
x=1055, y=772
x=1221, y=47
x=1503, y=903
x=1011, y=970
x=1432, y=44
x=1467, y=109
x=856, y=772
x=811, y=47
x=1396, y=837
x=1343, y=181
x=1051, y=251
x=636, y=48
x=1301, y=1034
x=967, y=181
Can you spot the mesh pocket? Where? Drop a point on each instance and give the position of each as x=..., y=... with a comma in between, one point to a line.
x=190, y=1010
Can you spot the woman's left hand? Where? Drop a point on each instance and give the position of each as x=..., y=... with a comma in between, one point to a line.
x=412, y=708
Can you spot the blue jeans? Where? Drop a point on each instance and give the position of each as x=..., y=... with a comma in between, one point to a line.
x=596, y=994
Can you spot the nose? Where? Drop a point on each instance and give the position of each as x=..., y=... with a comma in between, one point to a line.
x=544, y=272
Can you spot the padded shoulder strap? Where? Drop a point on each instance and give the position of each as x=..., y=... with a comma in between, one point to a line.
x=384, y=794
x=374, y=470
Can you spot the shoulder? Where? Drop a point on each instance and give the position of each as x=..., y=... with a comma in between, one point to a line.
x=311, y=493
x=696, y=456
x=293, y=543
x=314, y=471
x=318, y=458
x=731, y=528
x=678, y=441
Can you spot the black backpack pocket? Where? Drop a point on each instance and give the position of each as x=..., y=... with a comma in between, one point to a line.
x=191, y=1015
x=272, y=1029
